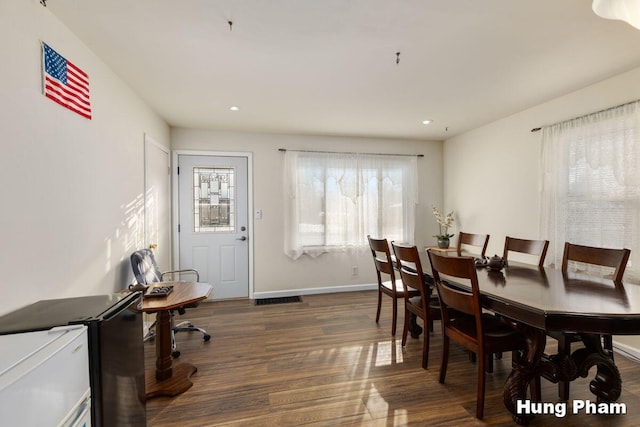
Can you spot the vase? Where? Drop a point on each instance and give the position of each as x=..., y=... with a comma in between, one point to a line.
x=443, y=242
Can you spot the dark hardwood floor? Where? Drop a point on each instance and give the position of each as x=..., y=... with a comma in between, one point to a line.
x=325, y=362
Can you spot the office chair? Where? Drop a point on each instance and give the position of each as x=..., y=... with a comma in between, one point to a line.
x=146, y=272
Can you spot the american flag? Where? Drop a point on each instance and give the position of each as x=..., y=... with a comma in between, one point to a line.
x=65, y=83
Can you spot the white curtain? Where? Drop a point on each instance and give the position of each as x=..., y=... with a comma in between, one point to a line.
x=334, y=200
x=591, y=183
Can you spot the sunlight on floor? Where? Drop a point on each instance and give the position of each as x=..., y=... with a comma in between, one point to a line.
x=388, y=353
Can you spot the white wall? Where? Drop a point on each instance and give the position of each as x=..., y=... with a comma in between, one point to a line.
x=71, y=187
x=275, y=273
x=492, y=173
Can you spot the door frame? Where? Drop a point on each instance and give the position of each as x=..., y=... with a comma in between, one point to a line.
x=149, y=140
x=175, y=204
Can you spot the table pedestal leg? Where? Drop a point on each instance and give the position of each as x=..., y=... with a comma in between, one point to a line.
x=414, y=329
x=163, y=345
x=524, y=373
x=529, y=367
x=167, y=380
x=607, y=384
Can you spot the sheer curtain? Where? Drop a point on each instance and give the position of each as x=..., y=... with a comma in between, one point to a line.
x=591, y=183
x=334, y=200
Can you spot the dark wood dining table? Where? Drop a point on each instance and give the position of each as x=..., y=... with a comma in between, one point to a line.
x=540, y=300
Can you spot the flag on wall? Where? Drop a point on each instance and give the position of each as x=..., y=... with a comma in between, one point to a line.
x=65, y=83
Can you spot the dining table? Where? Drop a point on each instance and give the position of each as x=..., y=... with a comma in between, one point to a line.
x=539, y=300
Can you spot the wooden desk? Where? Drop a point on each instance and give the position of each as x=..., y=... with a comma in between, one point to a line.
x=167, y=380
x=541, y=300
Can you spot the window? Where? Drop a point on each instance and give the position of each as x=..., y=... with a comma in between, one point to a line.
x=213, y=200
x=591, y=182
x=334, y=200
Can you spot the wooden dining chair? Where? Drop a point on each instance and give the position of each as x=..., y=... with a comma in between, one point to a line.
x=537, y=248
x=470, y=239
x=385, y=270
x=425, y=306
x=480, y=333
x=616, y=259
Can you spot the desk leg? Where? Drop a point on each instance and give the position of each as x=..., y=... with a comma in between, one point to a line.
x=163, y=345
x=167, y=380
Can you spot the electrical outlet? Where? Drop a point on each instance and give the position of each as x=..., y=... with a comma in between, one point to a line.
x=258, y=213
x=354, y=270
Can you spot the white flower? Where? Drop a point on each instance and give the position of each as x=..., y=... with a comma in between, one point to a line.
x=445, y=222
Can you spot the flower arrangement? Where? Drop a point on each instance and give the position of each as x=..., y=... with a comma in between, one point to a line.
x=443, y=222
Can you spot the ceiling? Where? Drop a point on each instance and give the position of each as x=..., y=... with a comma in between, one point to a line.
x=330, y=67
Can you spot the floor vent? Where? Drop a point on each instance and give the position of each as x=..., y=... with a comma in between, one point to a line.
x=278, y=300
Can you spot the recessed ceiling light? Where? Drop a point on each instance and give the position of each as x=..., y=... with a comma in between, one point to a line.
x=426, y=122
x=234, y=108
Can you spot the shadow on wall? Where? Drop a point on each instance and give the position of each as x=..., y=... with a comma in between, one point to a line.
x=131, y=236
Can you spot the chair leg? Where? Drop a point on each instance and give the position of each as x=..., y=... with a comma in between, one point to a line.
x=482, y=358
x=395, y=316
x=405, y=329
x=425, y=344
x=379, y=305
x=445, y=358
x=489, y=363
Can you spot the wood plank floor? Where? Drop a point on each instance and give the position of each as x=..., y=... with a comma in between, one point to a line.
x=325, y=362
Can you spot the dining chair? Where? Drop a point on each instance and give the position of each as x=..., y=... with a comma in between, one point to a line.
x=481, y=333
x=615, y=259
x=470, y=239
x=425, y=305
x=537, y=248
x=384, y=264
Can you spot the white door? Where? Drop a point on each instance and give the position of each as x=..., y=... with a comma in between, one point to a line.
x=157, y=201
x=213, y=221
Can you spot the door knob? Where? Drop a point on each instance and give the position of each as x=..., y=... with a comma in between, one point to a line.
x=243, y=238
x=153, y=246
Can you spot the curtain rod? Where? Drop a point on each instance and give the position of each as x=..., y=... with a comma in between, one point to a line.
x=587, y=115
x=349, y=152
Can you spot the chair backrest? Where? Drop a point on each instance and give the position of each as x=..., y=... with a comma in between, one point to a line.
x=144, y=267
x=381, y=256
x=410, y=267
x=451, y=297
x=614, y=258
x=530, y=247
x=470, y=239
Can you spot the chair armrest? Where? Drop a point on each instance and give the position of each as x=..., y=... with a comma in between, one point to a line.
x=190, y=271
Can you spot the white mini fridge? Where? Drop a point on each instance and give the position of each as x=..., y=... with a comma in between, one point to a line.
x=44, y=378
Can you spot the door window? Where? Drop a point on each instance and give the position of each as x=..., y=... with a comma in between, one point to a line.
x=214, y=206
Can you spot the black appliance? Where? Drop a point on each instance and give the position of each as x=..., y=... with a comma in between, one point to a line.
x=116, y=349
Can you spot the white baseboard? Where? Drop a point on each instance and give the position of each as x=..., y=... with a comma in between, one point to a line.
x=626, y=350
x=313, y=291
